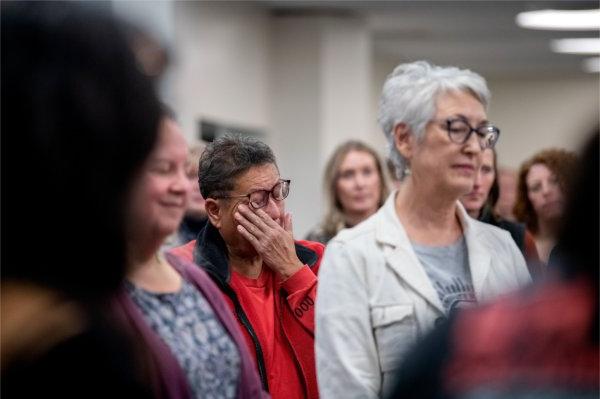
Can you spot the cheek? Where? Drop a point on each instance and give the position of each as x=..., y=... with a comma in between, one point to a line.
x=558, y=193
x=534, y=198
x=488, y=181
x=343, y=188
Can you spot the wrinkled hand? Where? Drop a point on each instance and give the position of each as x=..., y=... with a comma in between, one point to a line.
x=273, y=242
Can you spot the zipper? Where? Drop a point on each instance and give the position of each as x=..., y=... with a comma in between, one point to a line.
x=243, y=319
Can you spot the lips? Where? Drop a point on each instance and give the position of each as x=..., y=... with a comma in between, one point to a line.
x=464, y=166
x=173, y=204
x=474, y=196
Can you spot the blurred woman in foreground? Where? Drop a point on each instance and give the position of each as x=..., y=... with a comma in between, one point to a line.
x=196, y=348
x=78, y=122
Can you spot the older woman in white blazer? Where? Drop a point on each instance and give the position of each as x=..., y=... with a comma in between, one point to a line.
x=392, y=278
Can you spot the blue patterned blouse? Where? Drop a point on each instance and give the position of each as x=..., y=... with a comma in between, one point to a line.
x=187, y=324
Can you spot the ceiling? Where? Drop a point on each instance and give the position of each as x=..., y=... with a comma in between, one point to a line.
x=480, y=35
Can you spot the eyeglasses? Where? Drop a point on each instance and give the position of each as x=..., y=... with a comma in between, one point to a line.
x=259, y=198
x=460, y=131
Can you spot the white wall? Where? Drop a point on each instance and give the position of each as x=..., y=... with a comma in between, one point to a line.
x=534, y=113
x=312, y=82
x=296, y=110
x=222, y=65
x=320, y=98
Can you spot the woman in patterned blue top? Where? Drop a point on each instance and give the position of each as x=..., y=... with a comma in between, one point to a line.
x=171, y=300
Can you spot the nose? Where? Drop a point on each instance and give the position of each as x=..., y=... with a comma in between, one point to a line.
x=477, y=182
x=359, y=180
x=181, y=183
x=546, y=188
x=273, y=208
x=472, y=145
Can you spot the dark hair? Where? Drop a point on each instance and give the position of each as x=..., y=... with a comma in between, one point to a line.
x=494, y=193
x=578, y=237
x=561, y=163
x=226, y=158
x=78, y=120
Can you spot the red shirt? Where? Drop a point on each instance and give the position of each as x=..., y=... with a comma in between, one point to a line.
x=295, y=324
x=257, y=297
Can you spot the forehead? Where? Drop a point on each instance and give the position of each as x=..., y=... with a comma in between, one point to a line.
x=170, y=141
x=538, y=171
x=356, y=159
x=460, y=103
x=261, y=177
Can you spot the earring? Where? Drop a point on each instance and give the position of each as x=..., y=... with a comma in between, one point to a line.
x=407, y=171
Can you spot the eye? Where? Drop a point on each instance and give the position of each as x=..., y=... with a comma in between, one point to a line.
x=347, y=174
x=161, y=166
x=258, y=199
x=535, y=187
x=368, y=171
x=486, y=169
x=459, y=126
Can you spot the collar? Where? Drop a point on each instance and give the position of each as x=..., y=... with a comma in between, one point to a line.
x=210, y=253
x=390, y=233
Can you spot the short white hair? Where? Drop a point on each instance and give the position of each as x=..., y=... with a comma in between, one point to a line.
x=409, y=96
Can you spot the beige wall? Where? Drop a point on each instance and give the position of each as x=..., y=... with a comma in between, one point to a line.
x=312, y=82
x=534, y=113
x=221, y=65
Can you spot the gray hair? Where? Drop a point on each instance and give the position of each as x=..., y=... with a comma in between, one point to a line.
x=409, y=96
x=226, y=158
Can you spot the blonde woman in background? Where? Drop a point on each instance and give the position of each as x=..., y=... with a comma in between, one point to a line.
x=195, y=214
x=355, y=187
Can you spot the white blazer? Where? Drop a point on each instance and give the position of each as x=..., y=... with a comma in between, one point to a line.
x=374, y=298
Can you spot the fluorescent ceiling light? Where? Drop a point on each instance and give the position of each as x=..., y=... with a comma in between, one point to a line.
x=576, y=46
x=560, y=19
x=591, y=65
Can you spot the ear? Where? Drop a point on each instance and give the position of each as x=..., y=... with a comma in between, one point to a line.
x=404, y=140
x=213, y=211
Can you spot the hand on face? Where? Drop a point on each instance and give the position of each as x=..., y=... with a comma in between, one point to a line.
x=273, y=242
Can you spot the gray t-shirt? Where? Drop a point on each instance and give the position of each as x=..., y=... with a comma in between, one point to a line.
x=448, y=269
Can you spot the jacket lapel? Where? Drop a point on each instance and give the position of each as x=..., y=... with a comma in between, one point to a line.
x=400, y=256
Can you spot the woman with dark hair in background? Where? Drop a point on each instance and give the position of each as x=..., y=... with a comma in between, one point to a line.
x=78, y=121
x=543, y=180
x=480, y=204
x=355, y=188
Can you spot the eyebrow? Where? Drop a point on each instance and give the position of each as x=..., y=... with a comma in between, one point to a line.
x=462, y=116
x=251, y=190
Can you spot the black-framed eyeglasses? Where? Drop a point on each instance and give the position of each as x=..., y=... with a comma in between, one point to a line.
x=260, y=198
x=459, y=131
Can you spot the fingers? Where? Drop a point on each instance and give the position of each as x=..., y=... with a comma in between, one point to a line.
x=287, y=222
x=248, y=236
x=259, y=218
x=248, y=225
